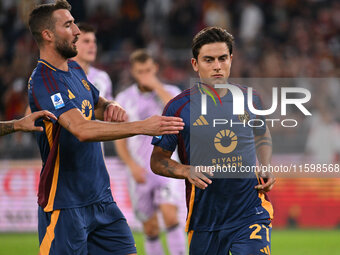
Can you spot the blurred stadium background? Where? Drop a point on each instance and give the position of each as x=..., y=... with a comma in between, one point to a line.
x=293, y=39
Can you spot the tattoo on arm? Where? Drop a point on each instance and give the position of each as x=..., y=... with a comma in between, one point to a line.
x=6, y=128
x=263, y=141
x=167, y=169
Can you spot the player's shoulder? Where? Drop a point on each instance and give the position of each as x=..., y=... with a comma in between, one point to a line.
x=180, y=100
x=245, y=88
x=73, y=64
x=43, y=73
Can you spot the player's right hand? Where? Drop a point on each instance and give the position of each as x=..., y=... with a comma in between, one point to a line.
x=162, y=125
x=26, y=123
x=199, y=179
x=138, y=173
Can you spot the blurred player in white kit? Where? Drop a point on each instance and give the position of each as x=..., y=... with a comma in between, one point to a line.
x=87, y=53
x=149, y=192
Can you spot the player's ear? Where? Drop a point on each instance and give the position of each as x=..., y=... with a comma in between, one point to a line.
x=47, y=35
x=194, y=64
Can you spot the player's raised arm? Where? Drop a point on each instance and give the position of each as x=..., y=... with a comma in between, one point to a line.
x=263, y=145
x=162, y=164
x=91, y=130
x=25, y=124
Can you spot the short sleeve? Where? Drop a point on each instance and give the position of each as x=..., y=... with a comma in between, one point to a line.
x=48, y=93
x=167, y=142
x=260, y=129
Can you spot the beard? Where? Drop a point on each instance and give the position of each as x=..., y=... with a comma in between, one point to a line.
x=64, y=49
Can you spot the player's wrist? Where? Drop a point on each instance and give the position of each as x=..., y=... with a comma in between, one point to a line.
x=16, y=125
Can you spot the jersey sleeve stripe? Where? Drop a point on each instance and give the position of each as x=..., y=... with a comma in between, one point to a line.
x=44, y=79
x=54, y=81
x=35, y=99
x=48, y=78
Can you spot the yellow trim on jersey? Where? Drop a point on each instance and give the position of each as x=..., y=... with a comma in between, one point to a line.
x=42, y=62
x=191, y=207
x=48, y=131
x=267, y=205
x=190, y=234
x=49, y=206
x=49, y=235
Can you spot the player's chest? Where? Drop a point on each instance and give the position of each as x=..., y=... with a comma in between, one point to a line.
x=80, y=94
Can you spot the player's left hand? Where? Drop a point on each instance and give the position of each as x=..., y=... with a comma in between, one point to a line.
x=115, y=113
x=267, y=180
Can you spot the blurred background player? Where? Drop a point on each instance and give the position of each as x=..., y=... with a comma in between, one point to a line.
x=149, y=192
x=25, y=124
x=87, y=52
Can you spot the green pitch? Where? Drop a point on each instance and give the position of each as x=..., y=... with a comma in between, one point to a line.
x=292, y=242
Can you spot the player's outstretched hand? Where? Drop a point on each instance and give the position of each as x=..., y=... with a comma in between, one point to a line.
x=114, y=113
x=199, y=179
x=26, y=124
x=267, y=181
x=162, y=125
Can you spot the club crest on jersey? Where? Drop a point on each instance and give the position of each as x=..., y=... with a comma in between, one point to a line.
x=86, y=85
x=57, y=101
x=244, y=117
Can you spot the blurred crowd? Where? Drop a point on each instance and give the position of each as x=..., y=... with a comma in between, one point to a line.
x=273, y=38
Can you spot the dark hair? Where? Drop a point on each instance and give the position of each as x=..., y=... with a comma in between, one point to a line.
x=140, y=56
x=41, y=18
x=211, y=35
x=86, y=28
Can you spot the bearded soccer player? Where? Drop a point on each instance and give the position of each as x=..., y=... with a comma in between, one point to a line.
x=77, y=214
x=225, y=214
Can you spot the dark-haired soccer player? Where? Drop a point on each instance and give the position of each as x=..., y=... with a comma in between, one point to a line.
x=224, y=214
x=77, y=214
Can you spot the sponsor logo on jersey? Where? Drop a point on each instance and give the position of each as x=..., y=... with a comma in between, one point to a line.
x=70, y=94
x=201, y=121
x=57, y=101
x=86, y=109
x=225, y=141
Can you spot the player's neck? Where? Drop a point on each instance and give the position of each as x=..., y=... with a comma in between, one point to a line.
x=221, y=92
x=54, y=59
